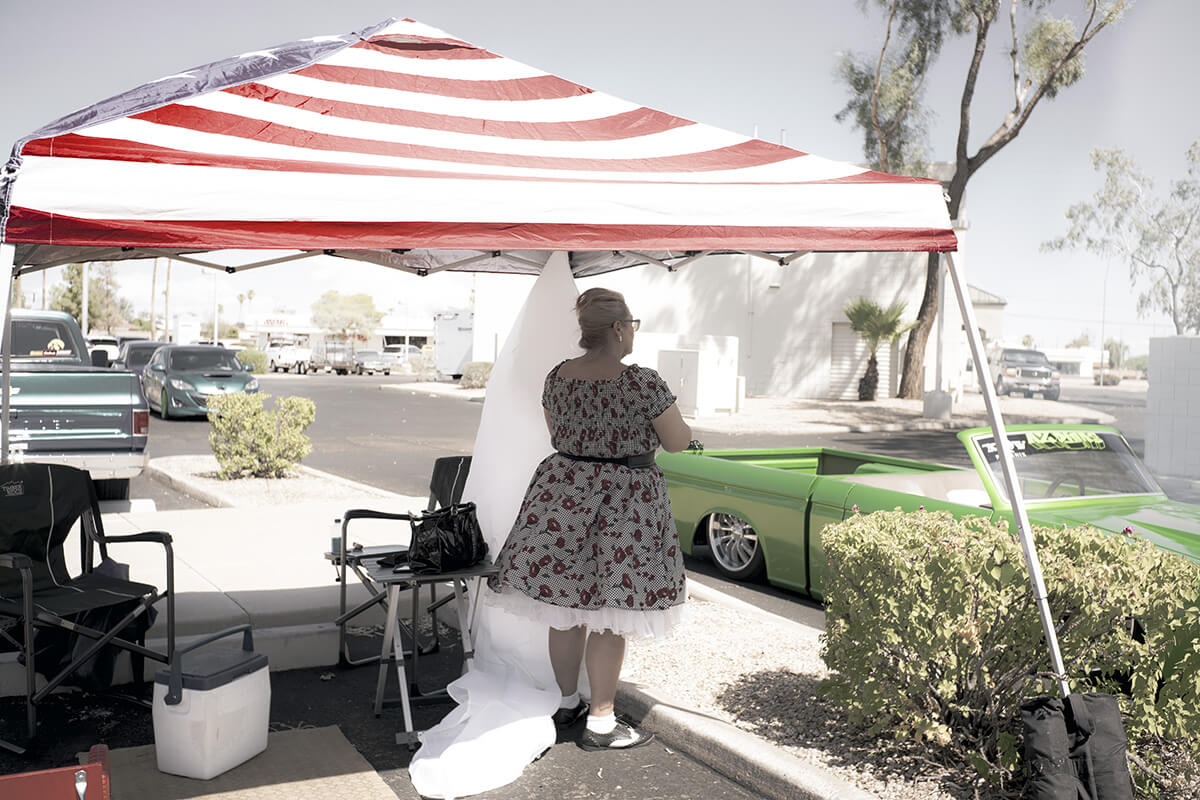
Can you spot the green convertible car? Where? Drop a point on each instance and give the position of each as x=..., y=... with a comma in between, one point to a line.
x=762, y=511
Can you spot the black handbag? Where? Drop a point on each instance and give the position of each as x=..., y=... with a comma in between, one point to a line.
x=446, y=540
x=1075, y=748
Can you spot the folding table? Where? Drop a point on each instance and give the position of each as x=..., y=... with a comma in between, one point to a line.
x=385, y=583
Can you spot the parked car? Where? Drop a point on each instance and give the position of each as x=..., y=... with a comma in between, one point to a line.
x=403, y=352
x=1025, y=371
x=109, y=345
x=135, y=354
x=288, y=356
x=68, y=408
x=179, y=379
x=762, y=511
x=332, y=357
x=372, y=362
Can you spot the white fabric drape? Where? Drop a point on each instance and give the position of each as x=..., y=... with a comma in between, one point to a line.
x=502, y=721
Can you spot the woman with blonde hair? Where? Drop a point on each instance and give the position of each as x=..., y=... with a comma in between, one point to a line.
x=594, y=551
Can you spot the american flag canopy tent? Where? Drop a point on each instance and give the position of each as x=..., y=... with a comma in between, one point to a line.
x=406, y=147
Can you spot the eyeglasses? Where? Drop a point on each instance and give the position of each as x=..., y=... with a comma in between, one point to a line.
x=633, y=323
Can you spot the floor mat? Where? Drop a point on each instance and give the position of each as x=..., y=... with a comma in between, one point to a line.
x=309, y=762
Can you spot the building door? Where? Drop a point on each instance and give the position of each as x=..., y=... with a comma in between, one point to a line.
x=848, y=363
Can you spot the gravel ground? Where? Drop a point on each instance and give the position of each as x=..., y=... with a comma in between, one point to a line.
x=762, y=674
x=304, y=485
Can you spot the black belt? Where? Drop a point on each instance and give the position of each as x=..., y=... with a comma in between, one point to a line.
x=640, y=461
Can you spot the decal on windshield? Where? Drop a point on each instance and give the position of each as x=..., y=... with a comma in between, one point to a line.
x=1027, y=443
x=1064, y=440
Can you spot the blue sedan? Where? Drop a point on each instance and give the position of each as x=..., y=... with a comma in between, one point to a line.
x=179, y=379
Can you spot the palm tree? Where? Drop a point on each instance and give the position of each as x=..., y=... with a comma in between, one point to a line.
x=241, y=298
x=874, y=324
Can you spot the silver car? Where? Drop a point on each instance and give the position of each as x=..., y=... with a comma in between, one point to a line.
x=372, y=362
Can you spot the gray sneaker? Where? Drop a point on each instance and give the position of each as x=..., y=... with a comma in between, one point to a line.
x=626, y=736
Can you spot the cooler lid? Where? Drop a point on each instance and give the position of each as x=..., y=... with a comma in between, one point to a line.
x=213, y=667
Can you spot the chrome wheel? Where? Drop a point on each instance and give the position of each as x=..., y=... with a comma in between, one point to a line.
x=734, y=546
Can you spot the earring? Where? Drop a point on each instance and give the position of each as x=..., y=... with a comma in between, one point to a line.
x=619, y=339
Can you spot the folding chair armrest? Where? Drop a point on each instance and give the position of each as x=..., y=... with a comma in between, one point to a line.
x=16, y=561
x=366, y=513
x=162, y=537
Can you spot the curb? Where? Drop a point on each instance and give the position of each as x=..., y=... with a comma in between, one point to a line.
x=221, y=500
x=740, y=756
x=214, y=499
x=823, y=428
x=946, y=425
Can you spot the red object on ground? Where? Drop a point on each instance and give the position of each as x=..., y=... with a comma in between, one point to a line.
x=60, y=781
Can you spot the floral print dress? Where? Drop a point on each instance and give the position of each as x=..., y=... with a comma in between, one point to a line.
x=595, y=543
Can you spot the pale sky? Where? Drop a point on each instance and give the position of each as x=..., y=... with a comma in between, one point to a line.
x=765, y=64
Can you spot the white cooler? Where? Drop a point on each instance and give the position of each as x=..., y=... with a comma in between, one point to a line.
x=211, y=708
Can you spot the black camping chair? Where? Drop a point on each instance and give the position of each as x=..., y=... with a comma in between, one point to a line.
x=445, y=489
x=99, y=608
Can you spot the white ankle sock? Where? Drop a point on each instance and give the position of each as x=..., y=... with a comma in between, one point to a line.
x=603, y=724
x=569, y=700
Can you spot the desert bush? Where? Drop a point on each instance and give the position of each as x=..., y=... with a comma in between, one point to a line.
x=423, y=367
x=932, y=632
x=252, y=441
x=475, y=375
x=255, y=359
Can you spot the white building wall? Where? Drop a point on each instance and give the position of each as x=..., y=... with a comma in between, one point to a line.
x=783, y=317
x=1173, y=407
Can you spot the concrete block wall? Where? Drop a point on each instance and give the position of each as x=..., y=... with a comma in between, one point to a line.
x=1173, y=407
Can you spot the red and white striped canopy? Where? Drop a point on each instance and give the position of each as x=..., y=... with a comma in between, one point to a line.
x=407, y=147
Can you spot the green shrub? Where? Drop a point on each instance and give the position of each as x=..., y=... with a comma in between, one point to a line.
x=475, y=375
x=250, y=440
x=932, y=632
x=255, y=359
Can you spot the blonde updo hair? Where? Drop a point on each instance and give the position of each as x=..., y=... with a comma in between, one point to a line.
x=597, y=310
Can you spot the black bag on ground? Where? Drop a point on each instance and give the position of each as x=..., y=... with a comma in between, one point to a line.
x=1075, y=748
x=446, y=540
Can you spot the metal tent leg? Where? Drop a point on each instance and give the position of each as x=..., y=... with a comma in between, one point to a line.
x=1009, y=469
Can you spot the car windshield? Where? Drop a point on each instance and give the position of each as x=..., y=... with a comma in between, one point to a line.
x=203, y=358
x=139, y=356
x=42, y=340
x=1054, y=464
x=1025, y=357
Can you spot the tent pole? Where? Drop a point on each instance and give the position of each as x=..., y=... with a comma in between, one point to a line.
x=1009, y=468
x=6, y=263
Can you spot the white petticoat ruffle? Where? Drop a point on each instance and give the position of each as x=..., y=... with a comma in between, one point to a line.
x=653, y=624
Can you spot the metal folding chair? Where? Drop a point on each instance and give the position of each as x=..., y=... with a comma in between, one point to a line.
x=446, y=486
x=445, y=489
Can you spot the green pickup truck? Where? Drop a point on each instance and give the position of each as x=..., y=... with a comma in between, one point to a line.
x=66, y=410
x=761, y=512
